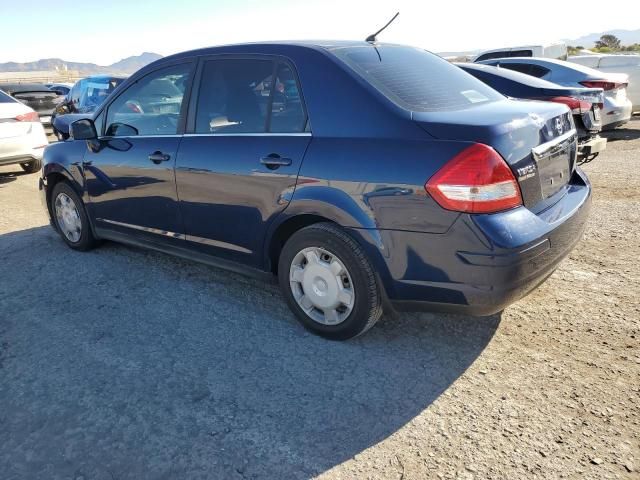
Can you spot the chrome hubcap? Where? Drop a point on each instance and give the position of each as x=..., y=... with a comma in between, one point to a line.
x=322, y=286
x=68, y=217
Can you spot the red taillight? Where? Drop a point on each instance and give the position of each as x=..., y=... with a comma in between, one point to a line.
x=575, y=104
x=477, y=180
x=603, y=84
x=28, y=117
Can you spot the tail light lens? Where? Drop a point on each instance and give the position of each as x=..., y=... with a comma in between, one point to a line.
x=603, y=84
x=28, y=117
x=477, y=180
x=576, y=105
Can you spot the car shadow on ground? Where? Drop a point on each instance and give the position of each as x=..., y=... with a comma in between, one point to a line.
x=125, y=363
x=629, y=131
x=7, y=177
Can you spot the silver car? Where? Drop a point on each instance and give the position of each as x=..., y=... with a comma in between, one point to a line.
x=617, y=106
x=22, y=137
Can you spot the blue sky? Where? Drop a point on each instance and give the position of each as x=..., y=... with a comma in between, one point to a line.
x=106, y=31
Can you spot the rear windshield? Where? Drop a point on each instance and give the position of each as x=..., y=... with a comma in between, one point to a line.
x=415, y=79
x=507, y=74
x=4, y=98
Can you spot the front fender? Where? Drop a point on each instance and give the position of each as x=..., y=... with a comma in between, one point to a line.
x=65, y=158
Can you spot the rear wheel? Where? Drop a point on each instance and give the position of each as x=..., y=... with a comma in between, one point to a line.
x=329, y=283
x=32, y=167
x=70, y=217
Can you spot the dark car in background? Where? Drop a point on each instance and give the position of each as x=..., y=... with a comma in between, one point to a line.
x=375, y=190
x=60, y=88
x=84, y=97
x=585, y=103
x=38, y=97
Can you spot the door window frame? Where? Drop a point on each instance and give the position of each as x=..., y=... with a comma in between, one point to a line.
x=277, y=61
x=191, y=61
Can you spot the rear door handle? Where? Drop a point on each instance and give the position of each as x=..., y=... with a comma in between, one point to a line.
x=274, y=161
x=159, y=157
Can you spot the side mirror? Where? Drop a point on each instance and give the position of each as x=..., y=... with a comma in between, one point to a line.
x=83, y=129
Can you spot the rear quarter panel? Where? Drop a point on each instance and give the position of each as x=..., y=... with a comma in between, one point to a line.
x=373, y=183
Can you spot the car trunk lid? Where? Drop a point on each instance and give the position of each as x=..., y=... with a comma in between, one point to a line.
x=536, y=139
x=42, y=102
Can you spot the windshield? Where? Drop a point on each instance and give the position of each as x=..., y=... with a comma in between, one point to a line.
x=97, y=90
x=415, y=79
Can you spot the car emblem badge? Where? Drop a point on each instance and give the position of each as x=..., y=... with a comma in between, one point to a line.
x=559, y=126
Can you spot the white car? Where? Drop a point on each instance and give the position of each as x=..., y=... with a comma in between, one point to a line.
x=22, y=137
x=616, y=110
x=629, y=64
x=552, y=50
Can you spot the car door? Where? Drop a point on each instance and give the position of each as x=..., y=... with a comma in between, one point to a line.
x=239, y=160
x=129, y=172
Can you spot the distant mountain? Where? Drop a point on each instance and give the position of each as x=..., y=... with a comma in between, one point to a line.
x=125, y=66
x=627, y=37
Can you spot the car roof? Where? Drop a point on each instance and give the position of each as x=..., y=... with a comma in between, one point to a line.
x=260, y=47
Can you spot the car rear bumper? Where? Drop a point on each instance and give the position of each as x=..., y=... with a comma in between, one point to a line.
x=484, y=262
x=616, y=114
x=21, y=155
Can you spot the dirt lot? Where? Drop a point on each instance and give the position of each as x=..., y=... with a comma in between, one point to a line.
x=128, y=364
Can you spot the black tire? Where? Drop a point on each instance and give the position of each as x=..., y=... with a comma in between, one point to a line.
x=86, y=239
x=32, y=167
x=367, y=308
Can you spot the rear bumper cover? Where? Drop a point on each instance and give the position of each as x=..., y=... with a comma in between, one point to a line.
x=484, y=262
x=23, y=156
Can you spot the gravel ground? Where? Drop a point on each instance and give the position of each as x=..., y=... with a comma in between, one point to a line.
x=128, y=364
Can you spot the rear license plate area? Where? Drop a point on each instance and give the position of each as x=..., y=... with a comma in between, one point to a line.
x=554, y=169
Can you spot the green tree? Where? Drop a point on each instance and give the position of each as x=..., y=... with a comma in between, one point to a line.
x=608, y=41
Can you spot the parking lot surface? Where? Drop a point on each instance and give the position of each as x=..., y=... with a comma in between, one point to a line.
x=122, y=363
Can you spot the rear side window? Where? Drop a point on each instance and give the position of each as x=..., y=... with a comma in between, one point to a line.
x=241, y=96
x=538, y=71
x=287, y=111
x=415, y=79
x=4, y=98
x=234, y=96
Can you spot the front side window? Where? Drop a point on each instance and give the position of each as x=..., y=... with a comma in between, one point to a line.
x=151, y=106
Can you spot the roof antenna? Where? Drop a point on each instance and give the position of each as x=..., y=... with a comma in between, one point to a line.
x=372, y=38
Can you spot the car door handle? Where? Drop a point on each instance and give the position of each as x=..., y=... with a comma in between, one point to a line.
x=274, y=161
x=159, y=157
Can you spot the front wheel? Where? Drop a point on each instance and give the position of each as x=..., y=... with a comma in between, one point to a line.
x=70, y=217
x=329, y=283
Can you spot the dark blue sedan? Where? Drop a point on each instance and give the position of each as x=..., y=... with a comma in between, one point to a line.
x=365, y=176
x=585, y=103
